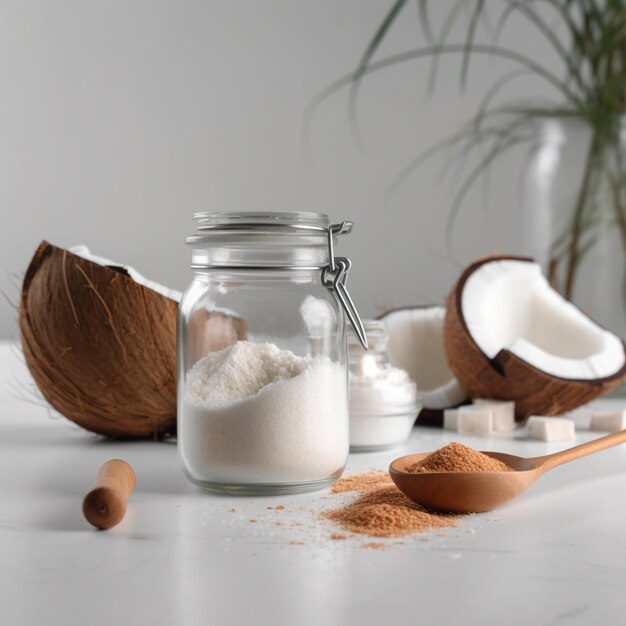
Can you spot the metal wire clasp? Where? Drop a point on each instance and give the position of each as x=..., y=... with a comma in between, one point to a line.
x=335, y=275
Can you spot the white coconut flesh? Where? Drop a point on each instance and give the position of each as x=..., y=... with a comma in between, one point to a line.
x=509, y=304
x=84, y=252
x=416, y=346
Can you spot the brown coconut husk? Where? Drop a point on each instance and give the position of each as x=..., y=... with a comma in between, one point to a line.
x=506, y=376
x=101, y=347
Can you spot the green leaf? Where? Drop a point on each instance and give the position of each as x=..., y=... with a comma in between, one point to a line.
x=469, y=41
x=443, y=37
x=361, y=69
x=424, y=15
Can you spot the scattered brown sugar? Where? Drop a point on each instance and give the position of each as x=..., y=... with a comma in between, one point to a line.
x=361, y=482
x=387, y=512
x=375, y=545
x=280, y=507
x=456, y=457
x=339, y=536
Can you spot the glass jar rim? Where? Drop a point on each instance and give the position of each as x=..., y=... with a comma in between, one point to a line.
x=222, y=222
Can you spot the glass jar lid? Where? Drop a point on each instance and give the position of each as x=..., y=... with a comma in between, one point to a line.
x=214, y=224
x=276, y=241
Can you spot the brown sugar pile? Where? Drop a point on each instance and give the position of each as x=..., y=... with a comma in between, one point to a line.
x=387, y=512
x=361, y=482
x=455, y=457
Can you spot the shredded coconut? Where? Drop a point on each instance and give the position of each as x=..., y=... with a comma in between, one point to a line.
x=240, y=371
x=254, y=413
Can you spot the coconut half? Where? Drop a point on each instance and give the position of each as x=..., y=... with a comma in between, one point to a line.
x=100, y=341
x=416, y=345
x=100, y=346
x=509, y=335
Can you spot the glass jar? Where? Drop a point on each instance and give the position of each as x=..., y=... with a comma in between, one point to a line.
x=383, y=398
x=574, y=193
x=262, y=363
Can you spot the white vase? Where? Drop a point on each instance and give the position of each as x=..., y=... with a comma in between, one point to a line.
x=570, y=167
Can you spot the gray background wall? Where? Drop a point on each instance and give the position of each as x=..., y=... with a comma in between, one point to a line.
x=120, y=118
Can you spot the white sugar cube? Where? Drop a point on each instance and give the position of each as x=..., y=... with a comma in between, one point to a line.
x=450, y=418
x=475, y=420
x=503, y=413
x=608, y=421
x=550, y=428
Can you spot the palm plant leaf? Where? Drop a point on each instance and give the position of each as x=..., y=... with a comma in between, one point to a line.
x=588, y=38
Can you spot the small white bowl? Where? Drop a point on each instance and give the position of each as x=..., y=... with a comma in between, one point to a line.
x=372, y=432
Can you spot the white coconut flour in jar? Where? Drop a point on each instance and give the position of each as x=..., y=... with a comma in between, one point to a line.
x=254, y=413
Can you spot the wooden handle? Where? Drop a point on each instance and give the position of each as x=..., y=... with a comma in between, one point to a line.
x=571, y=454
x=105, y=505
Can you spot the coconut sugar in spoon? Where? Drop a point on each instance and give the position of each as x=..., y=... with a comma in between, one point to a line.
x=474, y=492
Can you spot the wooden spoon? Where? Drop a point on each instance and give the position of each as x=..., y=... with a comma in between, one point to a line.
x=473, y=492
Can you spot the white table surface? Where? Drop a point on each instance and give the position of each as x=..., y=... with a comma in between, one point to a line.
x=557, y=555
